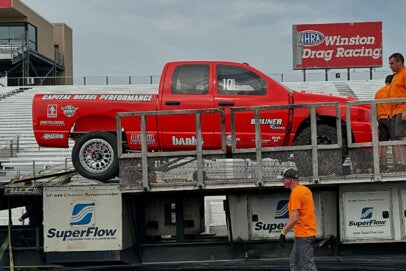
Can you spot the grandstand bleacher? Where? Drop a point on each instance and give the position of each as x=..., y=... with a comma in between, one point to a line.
x=15, y=119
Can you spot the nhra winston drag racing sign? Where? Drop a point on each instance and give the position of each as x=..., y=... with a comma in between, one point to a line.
x=339, y=45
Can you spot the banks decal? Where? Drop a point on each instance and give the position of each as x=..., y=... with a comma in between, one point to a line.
x=282, y=211
x=69, y=110
x=184, y=141
x=82, y=214
x=52, y=111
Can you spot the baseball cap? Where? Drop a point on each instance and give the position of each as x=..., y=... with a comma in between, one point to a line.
x=290, y=173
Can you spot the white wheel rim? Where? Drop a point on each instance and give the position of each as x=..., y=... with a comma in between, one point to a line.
x=96, y=155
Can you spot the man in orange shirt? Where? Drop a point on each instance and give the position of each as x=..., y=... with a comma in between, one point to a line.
x=383, y=116
x=302, y=219
x=398, y=90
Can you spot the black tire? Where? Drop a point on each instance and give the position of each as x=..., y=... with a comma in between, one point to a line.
x=330, y=161
x=94, y=156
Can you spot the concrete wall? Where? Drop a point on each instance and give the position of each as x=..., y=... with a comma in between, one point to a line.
x=63, y=44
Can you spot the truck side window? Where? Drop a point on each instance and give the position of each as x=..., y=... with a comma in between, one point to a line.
x=190, y=79
x=239, y=81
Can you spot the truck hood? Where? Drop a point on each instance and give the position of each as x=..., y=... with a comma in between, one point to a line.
x=301, y=97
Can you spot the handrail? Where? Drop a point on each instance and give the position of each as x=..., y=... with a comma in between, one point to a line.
x=10, y=142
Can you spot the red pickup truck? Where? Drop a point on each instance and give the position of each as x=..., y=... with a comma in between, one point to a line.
x=90, y=119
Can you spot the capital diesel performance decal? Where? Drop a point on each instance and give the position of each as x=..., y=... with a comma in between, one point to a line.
x=281, y=213
x=341, y=45
x=82, y=215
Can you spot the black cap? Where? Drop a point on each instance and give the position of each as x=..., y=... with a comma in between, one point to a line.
x=290, y=173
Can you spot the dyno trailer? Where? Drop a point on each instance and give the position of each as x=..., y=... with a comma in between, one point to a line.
x=153, y=216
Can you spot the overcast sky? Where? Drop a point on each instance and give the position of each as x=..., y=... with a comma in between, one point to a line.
x=137, y=37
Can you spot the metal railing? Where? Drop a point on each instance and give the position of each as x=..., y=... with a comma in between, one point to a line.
x=145, y=154
x=154, y=79
x=13, y=144
x=84, y=80
x=358, y=162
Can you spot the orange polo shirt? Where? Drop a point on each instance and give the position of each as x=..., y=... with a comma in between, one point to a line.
x=398, y=90
x=301, y=199
x=382, y=110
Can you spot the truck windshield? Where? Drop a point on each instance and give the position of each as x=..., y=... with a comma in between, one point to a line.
x=239, y=81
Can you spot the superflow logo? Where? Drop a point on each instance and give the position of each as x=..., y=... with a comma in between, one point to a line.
x=82, y=214
x=282, y=210
x=367, y=212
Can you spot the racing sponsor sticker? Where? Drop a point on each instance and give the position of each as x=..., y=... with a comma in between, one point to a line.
x=136, y=139
x=69, y=110
x=52, y=111
x=273, y=123
x=48, y=136
x=52, y=123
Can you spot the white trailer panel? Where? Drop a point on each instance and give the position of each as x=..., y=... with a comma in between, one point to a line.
x=366, y=216
x=263, y=217
x=82, y=218
x=402, y=214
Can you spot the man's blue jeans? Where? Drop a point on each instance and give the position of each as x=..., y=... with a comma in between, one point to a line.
x=301, y=257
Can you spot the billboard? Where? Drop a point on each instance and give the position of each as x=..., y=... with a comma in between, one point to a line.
x=6, y=3
x=338, y=45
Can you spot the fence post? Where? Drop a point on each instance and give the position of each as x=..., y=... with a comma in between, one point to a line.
x=129, y=80
x=18, y=144
x=84, y=80
x=107, y=80
x=11, y=148
x=150, y=79
x=33, y=168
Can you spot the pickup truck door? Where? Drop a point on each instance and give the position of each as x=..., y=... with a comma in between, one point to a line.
x=186, y=86
x=239, y=85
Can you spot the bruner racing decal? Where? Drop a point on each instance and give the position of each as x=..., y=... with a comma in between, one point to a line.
x=275, y=124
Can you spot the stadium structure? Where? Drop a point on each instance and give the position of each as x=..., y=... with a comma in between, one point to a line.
x=33, y=50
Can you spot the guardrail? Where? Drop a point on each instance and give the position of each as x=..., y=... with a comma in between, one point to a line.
x=331, y=75
x=350, y=161
x=15, y=141
x=144, y=154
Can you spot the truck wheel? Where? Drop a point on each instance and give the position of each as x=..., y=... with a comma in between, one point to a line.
x=330, y=161
x=95, y=156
